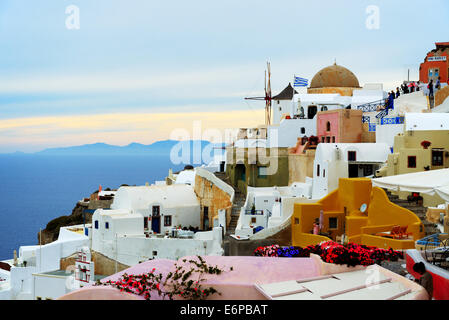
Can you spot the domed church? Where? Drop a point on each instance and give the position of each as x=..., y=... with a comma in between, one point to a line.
x=334, y=79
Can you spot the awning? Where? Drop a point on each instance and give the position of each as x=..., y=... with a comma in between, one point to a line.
x=429, y=182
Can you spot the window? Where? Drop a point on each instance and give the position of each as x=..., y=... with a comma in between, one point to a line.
x=437, y=157
x=156, y=211
x=96, y=224
x=154, y=253
x=333, y=139
x=322, y=139
x=253, y=220
x=430, y=73
x=167, y=221
x=106, y=225
x=352, y=156
x=328, y=126
x=303, y=130
x=333, y=223
x=318, y=170
x=411, y=162
x=324, y=173
x=328, y=139
x=262, y=172
x=367, y=170
x=296, y=220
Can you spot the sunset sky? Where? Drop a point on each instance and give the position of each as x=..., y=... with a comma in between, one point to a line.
x=137, y=70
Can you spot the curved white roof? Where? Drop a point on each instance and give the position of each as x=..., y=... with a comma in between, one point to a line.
x=186, y=177
x=142, y=197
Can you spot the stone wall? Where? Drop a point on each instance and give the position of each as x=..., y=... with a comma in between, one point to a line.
x=212, y=197
x=441, y=95
x=235, y=247
x=300, y=166
x=367, y=136
x=103, y=265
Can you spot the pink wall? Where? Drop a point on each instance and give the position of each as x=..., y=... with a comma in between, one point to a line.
x=322, y=119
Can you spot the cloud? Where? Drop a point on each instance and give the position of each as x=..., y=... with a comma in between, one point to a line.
x=32, y=134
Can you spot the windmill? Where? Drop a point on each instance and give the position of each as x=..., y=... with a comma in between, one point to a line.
x=267, y=97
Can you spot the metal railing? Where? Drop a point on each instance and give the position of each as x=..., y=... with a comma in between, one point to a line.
x=254, y=212
x=372, y=106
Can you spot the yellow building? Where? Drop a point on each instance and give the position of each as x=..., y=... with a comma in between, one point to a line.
x=411, y=152
x=358, y=211
x=334, y=79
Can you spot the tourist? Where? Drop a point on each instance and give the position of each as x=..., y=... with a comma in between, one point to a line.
x=412, y=87
x=430, y=87
x=404, y=88
x=397, y=93
x=426, y=279
x=390, y=100
x=316, y=226
x=438, y=84
x=417, y=86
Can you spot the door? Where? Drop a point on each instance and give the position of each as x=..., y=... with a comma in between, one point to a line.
x=222, y=166
x=206, y=218
x=311, y=111
x=156, y=219
x=353, y=171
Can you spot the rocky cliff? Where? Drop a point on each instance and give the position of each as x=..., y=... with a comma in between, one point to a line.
x=51, y=231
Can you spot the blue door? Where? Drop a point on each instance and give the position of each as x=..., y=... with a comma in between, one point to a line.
x=156, y=224
x=156, y=219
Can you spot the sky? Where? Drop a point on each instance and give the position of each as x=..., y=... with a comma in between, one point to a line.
x=140, y=70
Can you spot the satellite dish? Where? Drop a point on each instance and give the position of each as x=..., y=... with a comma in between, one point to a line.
x=363, y=208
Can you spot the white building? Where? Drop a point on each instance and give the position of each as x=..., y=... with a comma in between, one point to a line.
x=267, y=210
x=345, y=160
x=143, y=223
x=25, y=278
x=390, y=124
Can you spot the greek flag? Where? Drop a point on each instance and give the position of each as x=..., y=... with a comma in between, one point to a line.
x=300, y=82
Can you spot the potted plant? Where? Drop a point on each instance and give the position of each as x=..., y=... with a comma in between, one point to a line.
x=425, y=144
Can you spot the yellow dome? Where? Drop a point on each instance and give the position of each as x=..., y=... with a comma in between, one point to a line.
x=334, y=76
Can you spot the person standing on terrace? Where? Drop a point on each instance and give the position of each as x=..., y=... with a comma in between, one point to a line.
x=426, y=279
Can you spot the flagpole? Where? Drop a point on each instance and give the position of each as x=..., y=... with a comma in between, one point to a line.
x=292, y=108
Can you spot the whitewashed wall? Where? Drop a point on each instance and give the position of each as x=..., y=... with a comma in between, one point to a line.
x=22, y=283
x=386, y=133
x=287, y=132
x=48, y=286
x=132, y=250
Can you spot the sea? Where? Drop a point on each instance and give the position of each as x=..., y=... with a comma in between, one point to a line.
x=35, y=188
